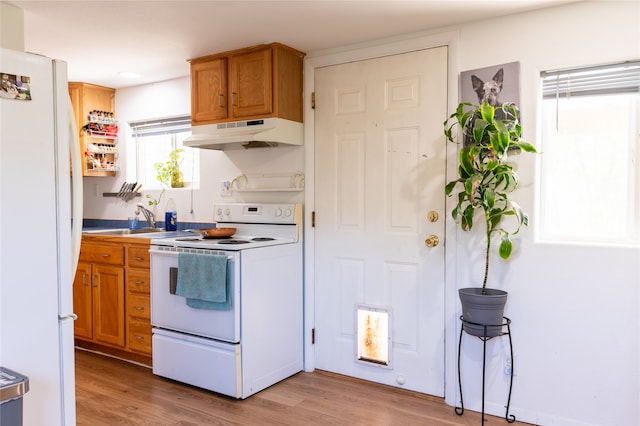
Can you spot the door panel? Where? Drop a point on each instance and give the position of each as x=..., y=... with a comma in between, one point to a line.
x=108, y=304
x=209, y=90
x=251, y=83
x=82, y=290
x=380, y=165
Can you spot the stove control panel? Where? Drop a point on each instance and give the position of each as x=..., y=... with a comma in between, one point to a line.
x=258, y=213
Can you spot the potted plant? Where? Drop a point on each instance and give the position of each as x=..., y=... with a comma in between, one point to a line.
x=168, y=174
x=485, y=180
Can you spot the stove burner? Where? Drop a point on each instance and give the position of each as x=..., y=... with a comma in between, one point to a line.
x=262, y=239
x=233, y=242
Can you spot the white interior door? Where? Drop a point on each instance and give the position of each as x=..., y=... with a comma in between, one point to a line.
x=380, y=177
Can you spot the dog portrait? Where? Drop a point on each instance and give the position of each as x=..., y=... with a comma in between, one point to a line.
x=498, y=85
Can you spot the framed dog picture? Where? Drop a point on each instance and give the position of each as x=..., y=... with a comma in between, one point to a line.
x=498, y=84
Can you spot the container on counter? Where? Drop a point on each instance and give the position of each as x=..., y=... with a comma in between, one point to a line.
x=171, y=216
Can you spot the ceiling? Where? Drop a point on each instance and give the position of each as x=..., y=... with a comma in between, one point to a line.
x=100, y=39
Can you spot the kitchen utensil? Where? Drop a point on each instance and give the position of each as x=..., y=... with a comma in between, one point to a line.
x=216, y=232
x=129, y=194
x=124, y=184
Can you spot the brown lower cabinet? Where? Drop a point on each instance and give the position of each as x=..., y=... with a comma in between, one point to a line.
x=138, y=300
x=111, y=297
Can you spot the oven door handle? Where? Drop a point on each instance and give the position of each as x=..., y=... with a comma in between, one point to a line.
x=173, y=279
x=173, y=276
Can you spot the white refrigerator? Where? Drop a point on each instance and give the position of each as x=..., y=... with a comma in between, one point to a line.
x=39, y=244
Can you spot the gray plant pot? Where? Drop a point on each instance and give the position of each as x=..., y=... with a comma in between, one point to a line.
x=482, y=310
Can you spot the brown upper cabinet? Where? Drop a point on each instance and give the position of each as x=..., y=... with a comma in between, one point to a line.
x=98, y=147
x=256, y=82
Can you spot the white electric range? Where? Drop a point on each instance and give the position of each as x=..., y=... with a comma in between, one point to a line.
x=255, y=338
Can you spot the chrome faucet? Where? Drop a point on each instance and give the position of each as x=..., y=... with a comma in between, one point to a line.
x=148, y=215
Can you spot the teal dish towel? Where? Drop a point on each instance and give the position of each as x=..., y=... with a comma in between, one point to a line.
x=202, y=280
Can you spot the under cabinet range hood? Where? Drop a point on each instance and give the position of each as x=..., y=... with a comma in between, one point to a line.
x=264, y=132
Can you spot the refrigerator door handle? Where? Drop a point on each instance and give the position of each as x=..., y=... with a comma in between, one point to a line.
x=70, y=316
x=77, y=196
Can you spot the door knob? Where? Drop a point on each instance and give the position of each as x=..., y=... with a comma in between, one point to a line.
x=433, y=216
x=431, y=241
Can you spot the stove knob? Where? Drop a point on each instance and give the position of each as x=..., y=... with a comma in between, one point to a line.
x=227, y=212
x=287, y=213
x=278, y=212
x=219, y=211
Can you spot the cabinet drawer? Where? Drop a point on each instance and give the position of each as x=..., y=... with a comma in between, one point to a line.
x=139, y=336
x=138, y=306
x=112, y=255
x=138, y=257
x=138, y=281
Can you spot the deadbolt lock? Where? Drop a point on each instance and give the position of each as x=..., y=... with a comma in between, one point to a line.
x=432, y=241
x=433, y=216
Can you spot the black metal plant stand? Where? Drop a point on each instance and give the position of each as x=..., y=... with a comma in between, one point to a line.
x=506, y=323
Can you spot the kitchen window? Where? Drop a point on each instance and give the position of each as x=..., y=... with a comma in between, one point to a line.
x=155, y=139
x=590, y=173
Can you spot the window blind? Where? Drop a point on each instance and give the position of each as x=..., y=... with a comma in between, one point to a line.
x=605, y=79
x=162, y=126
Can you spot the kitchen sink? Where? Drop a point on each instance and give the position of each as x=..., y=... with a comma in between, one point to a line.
x=124, y=231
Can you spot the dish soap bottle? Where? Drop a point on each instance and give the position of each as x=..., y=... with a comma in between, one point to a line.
x=171, y=216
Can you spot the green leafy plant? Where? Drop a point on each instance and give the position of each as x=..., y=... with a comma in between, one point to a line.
x=168, y=174
x=485, y=178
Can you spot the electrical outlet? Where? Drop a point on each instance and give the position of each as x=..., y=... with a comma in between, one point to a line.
x=225, y=188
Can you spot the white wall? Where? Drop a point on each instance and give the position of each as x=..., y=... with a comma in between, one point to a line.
x=170, y=98
x=575, y=309
x=11, y=27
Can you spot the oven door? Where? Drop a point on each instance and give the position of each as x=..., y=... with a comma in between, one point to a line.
x=171, y=312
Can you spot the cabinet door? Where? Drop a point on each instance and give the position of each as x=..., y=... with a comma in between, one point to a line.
x=102, y=253
x=85, y=98
x=251, y=83
x=139, y=336
x=138, y=281
x=98, y=98
x=209, y=91
x=83, y=326
x=75, y=94
x=108, y=304
x=139, y=306
x=138, y=256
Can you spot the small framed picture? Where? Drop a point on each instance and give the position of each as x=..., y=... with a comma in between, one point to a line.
x=497, y=84
x=15, y=87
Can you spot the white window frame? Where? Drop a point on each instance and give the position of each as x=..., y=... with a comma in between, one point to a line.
x=564, y=92
x=177, y=128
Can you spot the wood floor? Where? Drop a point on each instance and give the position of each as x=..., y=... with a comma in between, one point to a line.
x=114, y=392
